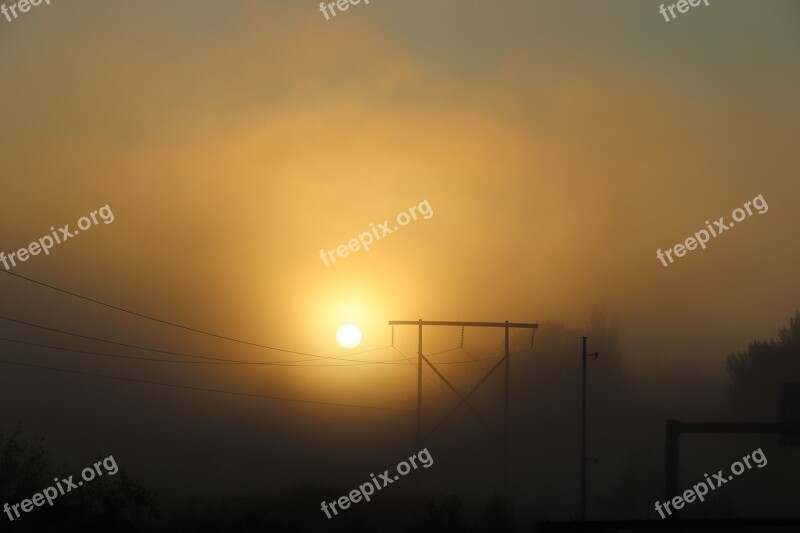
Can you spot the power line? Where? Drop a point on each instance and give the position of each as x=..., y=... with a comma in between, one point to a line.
x=160, y=321
x=469, y=354
x=428, y=371
x=201, y=389
x=214, y=361
x=345, y=362
x=210, y=358
x=443, y=351
x=424, y=369
x=473, y=359
x=396, y=349
x=103, y=354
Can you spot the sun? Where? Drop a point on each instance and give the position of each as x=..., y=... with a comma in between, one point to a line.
x=348, y=336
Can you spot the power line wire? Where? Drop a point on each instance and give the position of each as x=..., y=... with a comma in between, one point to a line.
x=425, y=369
x=472, y=358
x=210, y=358
x=201, y=389
x=477, y=360
x=345, y=362
x=160, y=321
x=103, y=354
x=214, y=361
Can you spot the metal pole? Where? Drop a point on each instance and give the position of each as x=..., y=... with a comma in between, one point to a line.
x=505, y=440
x=671, y=463
x=583, y=433
x=583, y=429
x=419, y=402
x=421, y=360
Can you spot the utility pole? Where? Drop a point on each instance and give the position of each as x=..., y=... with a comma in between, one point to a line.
x=506, y=427
x=418, y=479
x=504, y=361
x=584, y=459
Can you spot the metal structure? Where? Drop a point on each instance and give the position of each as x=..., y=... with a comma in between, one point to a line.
x=790, y=414
x=465, y=398
x=584, y=459
x=675, y=428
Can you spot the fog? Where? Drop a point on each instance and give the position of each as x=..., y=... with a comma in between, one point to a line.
x=559, y=147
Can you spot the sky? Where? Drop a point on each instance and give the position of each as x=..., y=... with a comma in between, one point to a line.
x=559, y=145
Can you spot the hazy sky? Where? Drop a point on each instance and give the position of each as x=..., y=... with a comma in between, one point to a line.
x=559, y=144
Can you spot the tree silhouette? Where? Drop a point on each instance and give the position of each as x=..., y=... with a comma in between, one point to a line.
x=108, y=503
x=444, y=517
x=754, y=375
x=25, y=467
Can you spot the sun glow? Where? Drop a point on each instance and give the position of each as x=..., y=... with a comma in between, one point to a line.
x=348, y=336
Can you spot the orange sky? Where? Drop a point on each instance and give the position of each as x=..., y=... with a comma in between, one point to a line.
x=560, y=145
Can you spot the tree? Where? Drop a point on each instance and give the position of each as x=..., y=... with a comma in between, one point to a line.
x=754, y=375
x=25, y=467
x=106, y=504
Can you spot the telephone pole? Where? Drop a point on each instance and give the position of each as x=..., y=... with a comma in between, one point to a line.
x=584, y=459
